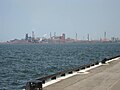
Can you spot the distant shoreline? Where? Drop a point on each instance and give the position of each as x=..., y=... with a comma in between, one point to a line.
x=81, y=42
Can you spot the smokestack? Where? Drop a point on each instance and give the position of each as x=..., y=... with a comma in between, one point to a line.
x=26, y=36
x=50, y=35
x=54, y=34
x=105, y=36
x=76, y=36
x=33, y=36
x=88, y=37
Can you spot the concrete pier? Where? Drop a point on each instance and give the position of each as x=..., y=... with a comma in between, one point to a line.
x=104, y=77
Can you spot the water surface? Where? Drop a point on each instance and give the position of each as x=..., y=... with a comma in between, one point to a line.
x=21, y=63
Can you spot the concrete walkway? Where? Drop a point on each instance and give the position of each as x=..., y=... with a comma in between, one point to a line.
x=105, y=77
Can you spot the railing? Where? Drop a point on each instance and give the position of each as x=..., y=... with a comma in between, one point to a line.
x=37, y=84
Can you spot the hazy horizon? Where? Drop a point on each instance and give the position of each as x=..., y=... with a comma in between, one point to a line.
x=18, y=17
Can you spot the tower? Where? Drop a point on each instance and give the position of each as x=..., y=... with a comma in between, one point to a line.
x=63, y=38
x=33, y=36
x=54, y=34
x=63, y=35
x=88, y=37
x=50, y=35
x=26, y=36
x=104, y=36
x=76, y=36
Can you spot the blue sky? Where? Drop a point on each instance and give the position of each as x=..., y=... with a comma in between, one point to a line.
x=18, y=17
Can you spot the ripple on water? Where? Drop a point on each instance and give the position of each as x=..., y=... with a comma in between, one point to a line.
x=21, y=63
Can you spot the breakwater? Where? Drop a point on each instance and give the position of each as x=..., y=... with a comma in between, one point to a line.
x=37, y=84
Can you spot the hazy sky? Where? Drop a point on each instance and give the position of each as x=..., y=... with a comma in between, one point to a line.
x=18, y=17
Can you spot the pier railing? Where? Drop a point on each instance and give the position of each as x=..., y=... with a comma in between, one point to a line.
x=37, y=84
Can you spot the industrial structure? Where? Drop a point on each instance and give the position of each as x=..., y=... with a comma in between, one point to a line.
x=52, y=39
x=60, y=39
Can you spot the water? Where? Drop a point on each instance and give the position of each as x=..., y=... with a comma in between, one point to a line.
x=21, y=63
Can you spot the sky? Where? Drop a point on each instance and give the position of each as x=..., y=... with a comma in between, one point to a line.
x=18, y=17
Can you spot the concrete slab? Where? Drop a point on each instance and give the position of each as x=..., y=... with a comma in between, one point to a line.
x=105, y=77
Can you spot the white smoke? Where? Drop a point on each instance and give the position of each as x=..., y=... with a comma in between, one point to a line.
x=44, y=35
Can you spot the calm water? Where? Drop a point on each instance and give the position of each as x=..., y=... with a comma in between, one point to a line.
x=21, y=63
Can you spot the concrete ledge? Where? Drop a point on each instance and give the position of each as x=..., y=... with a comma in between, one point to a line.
x=71, y=73
x=105, y=77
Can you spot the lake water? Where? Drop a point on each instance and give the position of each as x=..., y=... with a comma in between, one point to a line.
x=22, y=63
